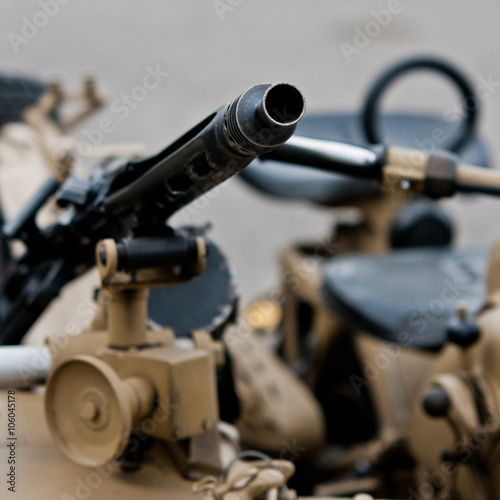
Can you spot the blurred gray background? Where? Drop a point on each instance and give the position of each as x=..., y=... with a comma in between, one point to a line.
x=213, y=50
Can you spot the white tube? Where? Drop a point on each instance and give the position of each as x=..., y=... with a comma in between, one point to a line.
x=24, y=366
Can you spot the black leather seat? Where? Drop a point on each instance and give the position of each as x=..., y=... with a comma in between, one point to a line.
x=406, y=296
x=294, y=182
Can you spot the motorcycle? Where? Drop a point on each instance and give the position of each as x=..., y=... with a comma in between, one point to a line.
x=450, y=434
x=366, y=344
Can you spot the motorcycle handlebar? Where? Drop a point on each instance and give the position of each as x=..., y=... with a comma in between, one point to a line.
x=436, y=174
x=331, y=156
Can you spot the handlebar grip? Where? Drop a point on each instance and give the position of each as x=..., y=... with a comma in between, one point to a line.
x=471, y=179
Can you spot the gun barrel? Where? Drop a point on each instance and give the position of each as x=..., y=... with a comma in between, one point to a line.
x=256, y=122
x=263, y=118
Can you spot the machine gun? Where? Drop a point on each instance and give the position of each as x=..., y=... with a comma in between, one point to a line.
x=135, y=200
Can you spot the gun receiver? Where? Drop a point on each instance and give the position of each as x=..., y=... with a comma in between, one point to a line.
x=138, y=197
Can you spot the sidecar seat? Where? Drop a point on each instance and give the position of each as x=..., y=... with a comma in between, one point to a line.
x=287, y=181
x=407, y=296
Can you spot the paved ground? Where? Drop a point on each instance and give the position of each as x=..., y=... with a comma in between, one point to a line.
x=212, y=50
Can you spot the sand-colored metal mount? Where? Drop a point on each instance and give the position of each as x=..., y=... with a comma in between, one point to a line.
x=127, y=317
x=111, y=276
x=183, y=382
x=128, y=292
x=90, y=410
x=104, y=382
x=203, y=340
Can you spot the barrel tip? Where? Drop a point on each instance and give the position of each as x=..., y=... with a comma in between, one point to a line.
x=283, y=104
